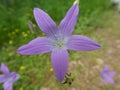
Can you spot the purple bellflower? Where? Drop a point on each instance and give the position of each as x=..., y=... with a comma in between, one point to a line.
x=58, y=40
x=107, y=75
x=7, y=78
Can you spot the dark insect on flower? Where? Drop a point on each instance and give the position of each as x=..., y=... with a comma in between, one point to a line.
x=68, y=79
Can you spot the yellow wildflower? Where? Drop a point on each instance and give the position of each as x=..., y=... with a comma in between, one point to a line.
x=17, y=55
x=51, y=69
x=28, y=31
x=22, y=67
x=16, y=30
x=24, y=34
x=7, y=49
x=4, y=29
x=21, y=88
x=10, y=42
x=9, y=34
x=10, y=54
x=13, y=33
x=34, y=25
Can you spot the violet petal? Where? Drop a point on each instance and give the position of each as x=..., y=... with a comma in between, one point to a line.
x=4, y=68
x=68, y=23
x=45, y=23
x=108, y=80
x=7, y=86
x=105, y=81
x=2, y=78
x=60, y=63
x=14, y=76
x=106, y=68
x=39, y=45
x=111, y=74
x=82, y=43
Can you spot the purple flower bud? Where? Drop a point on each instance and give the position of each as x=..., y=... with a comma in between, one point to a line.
x=31, y=27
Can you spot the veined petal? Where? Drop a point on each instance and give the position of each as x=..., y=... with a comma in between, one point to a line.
x=7, y=86
x=14, y=76
x=108, y=80
x=60, y=63
x=68, y=23
x=111, y=74
x=82, y=43
x=106, y=68
x=39, y=45
x=45, y=23
x=4, y=68
x=2, y=78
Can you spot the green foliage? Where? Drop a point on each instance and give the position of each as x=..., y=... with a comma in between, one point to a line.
x=35, y=71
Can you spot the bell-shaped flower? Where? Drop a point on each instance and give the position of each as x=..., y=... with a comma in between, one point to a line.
x=58, y=40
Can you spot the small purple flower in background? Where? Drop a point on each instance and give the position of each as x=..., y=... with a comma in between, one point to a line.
x=58, y=40
x=7, y=78
x=107, y=75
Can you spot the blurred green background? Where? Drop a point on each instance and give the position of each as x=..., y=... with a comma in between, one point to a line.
x=36, y=71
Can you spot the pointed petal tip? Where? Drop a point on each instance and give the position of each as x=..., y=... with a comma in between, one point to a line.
x=60, y=63
x=106, y=67
x=15, y=76
x=4, y=68
x=2, y=64
x=77, y=6
x=45, y=22
x=60, y=79
x=68, y=23
x=112, y=73
x=21, y=50
x=96, y=45
x=18, y=52
x=36, y=8
x=99, y=46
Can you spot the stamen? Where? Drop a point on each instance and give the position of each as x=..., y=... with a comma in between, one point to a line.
x=59, y=42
